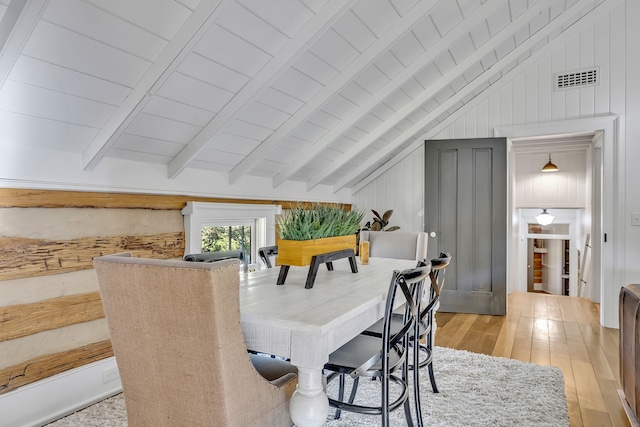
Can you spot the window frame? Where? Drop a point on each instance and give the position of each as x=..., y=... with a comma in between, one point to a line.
x=261, y=217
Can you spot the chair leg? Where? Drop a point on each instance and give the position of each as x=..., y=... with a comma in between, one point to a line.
x=429, y=340
x=340, y=395
x=416, y=384
x=428, y=363
x=407, y=413
x=432, y=378
x=354, y=389
x=406, y=405
x=385, y=402
x=352, y=394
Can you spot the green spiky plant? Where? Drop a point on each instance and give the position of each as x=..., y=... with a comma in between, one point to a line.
x=318, y=222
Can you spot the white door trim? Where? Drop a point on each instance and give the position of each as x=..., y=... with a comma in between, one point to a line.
x=612, y=213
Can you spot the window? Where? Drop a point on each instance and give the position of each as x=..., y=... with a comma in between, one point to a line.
x=226, y=238
x=212, y=227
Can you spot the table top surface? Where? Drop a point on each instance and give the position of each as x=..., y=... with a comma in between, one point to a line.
x=336, y=297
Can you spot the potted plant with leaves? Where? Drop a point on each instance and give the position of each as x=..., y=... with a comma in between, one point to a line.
x=380, y=222
x=305, y=232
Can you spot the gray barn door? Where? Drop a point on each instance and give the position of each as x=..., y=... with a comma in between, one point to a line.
x=466, y=205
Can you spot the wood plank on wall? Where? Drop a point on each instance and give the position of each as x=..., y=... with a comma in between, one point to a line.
x=20, y=257
x=43, y=367
x=25, y=319
x=26, y=198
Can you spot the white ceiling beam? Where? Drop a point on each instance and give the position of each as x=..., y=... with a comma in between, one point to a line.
x=315, y=28
x=16, y=27
x=432, y=90
x=198, y=23
x=396, y=83
x=410, y=133
x=336, y=85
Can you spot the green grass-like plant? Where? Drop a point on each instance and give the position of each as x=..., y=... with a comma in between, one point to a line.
x=318, y=222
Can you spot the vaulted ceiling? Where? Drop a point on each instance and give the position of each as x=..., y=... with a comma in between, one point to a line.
x=318, y=91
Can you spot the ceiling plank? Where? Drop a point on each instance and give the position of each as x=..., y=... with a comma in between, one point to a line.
x=191, y=31
x=410, y=133
x=398, y=81
x=336, y=85
x=18, y=23
x=431, y=91
x=252, y=90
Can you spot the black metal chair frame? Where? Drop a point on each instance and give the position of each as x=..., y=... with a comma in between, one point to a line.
x=436, y=276
x=219, y=256
x=265, y=252
x=396, y=352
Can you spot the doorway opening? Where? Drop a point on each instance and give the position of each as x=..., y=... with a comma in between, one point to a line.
x=551, y=255
x=603, y=214
x=548, y=266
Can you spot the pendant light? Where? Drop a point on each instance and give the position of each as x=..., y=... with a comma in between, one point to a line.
x=544, y=218
x=549, y=167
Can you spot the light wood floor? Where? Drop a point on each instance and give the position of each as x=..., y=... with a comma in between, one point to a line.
x=550, y=330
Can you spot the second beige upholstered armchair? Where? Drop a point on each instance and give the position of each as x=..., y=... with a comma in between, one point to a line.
x=396, y=244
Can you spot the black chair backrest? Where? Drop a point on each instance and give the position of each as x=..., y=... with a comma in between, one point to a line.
x=219, y=256
x=266, y=252
x=436, y=275
x=438, y=266
x=410, y=285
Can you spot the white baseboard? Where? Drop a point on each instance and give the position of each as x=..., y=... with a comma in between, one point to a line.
x=39, y=403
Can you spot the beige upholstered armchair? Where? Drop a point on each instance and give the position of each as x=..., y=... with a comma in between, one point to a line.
x=177, y=338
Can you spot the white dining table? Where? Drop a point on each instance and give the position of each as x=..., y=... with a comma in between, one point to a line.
x=306, y=325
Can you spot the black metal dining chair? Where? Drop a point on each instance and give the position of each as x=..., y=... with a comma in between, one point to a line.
x=388, y=356
x=426, y=319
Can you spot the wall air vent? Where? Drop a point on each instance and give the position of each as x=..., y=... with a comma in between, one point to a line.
x=581, y=78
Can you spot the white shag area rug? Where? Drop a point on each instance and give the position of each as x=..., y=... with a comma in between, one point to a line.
x=475, y=390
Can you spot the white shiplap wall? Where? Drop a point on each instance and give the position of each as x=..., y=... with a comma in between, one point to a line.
x=610, y=43
x=563, y=189
x=523, y=99
x=401, y=188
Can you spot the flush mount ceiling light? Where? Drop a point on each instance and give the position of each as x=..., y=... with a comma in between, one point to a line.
x=549, y=167
x=544, y=218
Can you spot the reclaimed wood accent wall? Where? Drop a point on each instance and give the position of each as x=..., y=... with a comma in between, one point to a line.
x=51, y=315
x=20, y=257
